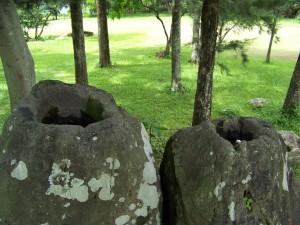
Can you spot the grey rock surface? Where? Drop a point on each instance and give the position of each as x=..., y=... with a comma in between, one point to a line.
x=258, y=102
x=228, y=171
x=69, y=155
x=292, y=141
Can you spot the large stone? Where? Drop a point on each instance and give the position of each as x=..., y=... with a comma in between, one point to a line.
x=258, y=102
x=69, y=155
x=229, y=171
x=292, y=141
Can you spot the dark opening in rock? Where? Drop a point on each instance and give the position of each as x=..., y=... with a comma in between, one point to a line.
x=91, y=114
x=53, y=117
x=236, y=137
x=234, y=133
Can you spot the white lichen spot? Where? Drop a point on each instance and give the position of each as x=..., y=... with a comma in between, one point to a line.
x=10, y=128
x=63, y=217
x=219, y=190
x=95, y=138
x=110, y=160
x=3, y=151
x=44, y=223
x=211, y=153
x=94, y=184
x=133, y=221
x=67, y=205
x=134, y=181
x=78, y=138
x=12, y=162
x=122, y=199
x=285, y=184
x=247, y=179
x=149, y=173
x=122, y=220
x=47, y=138
x=231, y=212
x=77, y=182
x=64, y=185
x=117, y=164
x=113, y=163
x=132, y=207
x=158, y=219
x=141, y=211
x=147, y=145
x=148, y=195
x=20, y=171
x=106, y=182
x=135, y=144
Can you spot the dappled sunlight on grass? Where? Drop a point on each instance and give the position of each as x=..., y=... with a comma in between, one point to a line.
x=141, y=83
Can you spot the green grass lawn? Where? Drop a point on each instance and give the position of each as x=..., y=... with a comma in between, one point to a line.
x=140, y=83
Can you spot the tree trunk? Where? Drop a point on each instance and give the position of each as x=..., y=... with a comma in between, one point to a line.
x=203, y=97
x=103, y=40
x=273, y=32
x=176, y=84
x=16, y=59
x=196, y=32
x=167, y=49
x=78, y=42
x=292, y=99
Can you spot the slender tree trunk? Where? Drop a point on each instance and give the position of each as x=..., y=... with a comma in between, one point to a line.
x=16, y=59
x=292, y=99
x=78, y=42
x=176, y=84
x=103, y=40
x=197, y=6
x=167, y=49
x=209, y=26
x=273, y=32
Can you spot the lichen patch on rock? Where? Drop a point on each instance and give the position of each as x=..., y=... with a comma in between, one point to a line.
x=122, y=220
x=231, y=212
x=219, y=190
x=247, y=179
x=285, y=184
x=20, y=171
x=106, y=181
x=63, y=184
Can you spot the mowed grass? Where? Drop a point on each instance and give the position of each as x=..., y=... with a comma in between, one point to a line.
x=140, y=83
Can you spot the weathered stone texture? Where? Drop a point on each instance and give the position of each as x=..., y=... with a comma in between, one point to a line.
x=228, y=171
x=69, y=155
x=292, y=141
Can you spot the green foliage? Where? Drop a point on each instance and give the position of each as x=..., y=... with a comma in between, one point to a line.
x=296, y=168
x=154, y=130
x=274, y=115
x=291, y=9
x=34, y=16
x=240, y=49
x=89, y=8
x=248, y=202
